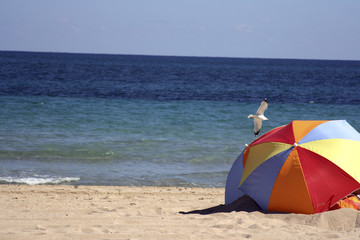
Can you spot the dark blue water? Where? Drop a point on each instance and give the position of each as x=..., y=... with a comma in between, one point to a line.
x=152, y=120
x=179, y=78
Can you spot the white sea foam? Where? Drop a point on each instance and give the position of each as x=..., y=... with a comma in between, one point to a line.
x=39, y=180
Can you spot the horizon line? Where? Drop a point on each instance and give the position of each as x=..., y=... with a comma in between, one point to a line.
x=180, y=56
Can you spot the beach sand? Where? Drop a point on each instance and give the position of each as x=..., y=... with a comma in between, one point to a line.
x=99, y=212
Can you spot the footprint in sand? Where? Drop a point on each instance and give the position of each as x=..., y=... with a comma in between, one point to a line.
x=158, y=211
x=108, y=210
x=87, y=230
x=245, y=235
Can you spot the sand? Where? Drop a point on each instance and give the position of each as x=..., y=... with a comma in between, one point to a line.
x=98, y=212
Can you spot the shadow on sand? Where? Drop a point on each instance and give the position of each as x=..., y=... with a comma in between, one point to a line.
x=245, y=203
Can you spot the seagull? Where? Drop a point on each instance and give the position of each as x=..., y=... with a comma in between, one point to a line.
x=259, y=117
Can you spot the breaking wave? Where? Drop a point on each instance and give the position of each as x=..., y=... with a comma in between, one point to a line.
x=38, y=180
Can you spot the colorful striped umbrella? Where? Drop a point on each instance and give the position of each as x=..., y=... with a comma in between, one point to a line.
x=302, y=167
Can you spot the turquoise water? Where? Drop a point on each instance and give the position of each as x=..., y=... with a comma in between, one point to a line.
x=153, y=121
x=135, y=142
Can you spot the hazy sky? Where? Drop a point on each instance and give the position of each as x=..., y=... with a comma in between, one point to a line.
x=311, y=29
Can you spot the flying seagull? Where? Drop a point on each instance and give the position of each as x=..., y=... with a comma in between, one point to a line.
x=259, y=116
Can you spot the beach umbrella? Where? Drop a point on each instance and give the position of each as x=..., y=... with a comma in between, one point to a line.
x=302, y=167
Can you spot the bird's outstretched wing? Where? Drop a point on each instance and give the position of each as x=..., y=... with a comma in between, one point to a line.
x=257, y=126
x=262, y=107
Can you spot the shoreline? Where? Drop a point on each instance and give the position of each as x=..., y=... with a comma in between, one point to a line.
x=120, y=212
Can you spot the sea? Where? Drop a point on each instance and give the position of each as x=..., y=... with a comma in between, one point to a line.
x=132, y=120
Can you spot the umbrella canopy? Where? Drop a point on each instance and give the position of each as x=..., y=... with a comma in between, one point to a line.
x=302, y=167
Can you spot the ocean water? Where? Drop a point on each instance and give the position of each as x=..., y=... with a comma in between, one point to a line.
x=151, y=120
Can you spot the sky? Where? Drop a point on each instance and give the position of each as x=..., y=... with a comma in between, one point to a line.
x=306, y=29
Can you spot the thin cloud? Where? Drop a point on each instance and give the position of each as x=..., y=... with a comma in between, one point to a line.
x=63, y=20
x=202, y=29
x=266, y=20
x=68, y=24
x=75, y=29
x=104, y=29
x=243, y=28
